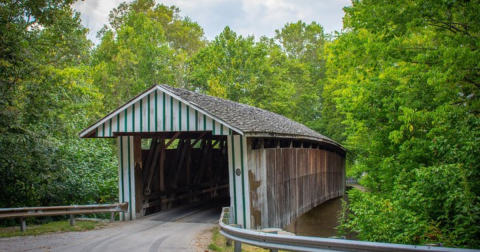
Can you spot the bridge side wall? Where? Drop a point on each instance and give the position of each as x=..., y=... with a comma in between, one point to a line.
x=287, y=182
x=238, y=180
x=126, y=176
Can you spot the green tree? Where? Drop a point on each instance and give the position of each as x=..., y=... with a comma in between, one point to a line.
x=230, y=67
x=46, y=97
x=304, y=45
x=256, y=73
x=144, y=44
x=405, y=78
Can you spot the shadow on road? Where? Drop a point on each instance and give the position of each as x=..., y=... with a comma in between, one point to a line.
x=200, y=212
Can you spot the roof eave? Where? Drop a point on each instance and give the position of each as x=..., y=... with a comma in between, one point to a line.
x=302, y=137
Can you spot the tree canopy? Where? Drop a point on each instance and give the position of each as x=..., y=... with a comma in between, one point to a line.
x=405, y=78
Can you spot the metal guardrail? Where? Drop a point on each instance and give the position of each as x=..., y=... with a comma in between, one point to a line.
x=351, y=181
x=276, y=242
x=24, y=212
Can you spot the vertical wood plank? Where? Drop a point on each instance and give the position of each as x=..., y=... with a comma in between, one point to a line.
x=138, y=166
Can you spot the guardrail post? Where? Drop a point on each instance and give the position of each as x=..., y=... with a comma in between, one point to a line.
x=72, y=220
x=238, y=246
x=112, y=216
x=23, y=224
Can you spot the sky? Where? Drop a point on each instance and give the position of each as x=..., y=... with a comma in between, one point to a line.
x=245, y=17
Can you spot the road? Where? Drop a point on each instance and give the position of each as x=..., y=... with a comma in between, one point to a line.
x=176, y=230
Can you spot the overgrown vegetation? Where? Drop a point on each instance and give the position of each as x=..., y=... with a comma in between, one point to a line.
x=405, y=79
x=219, y=243
x=398, y=87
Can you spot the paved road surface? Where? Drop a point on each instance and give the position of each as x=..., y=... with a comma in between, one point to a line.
x=176, y=230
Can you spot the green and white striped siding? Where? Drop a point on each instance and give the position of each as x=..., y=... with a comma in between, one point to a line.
x=239, y=188
x=126, y=176
x=157, y=111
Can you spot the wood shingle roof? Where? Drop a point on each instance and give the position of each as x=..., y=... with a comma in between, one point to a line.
x=250, y=120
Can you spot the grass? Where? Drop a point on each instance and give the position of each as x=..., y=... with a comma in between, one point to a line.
x=219, y=243
x=52, y=227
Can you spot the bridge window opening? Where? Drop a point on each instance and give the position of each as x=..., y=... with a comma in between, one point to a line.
x=270, y=143
x=285, y=143
x=181, y=169
x=257, y=143
x=146, y=143
x=307, y=145
x=297, y=144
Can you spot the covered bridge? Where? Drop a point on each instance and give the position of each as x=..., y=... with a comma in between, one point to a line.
x=176, y=146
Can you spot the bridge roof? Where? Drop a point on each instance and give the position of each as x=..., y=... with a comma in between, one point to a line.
x=248, y=119
x=241, y=118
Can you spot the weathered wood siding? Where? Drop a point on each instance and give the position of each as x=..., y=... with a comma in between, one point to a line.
x=287, y=182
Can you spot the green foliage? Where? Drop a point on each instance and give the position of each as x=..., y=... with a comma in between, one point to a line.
x=145, y=44
x=404, y=78
x=278, y=77
x=231, y=67
x=46, y=98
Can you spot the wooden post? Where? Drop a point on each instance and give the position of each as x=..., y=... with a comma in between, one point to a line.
x=178, y=162
x=151, y=170
x=72, y=220
x=149, y=159
x=112, y=216
x=188, y=163
x=203, y=158
x=161, y=172
x=23, y=225
x=137, y=157
x=209, y=160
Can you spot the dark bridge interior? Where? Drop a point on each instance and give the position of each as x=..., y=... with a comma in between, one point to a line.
x=179, y=169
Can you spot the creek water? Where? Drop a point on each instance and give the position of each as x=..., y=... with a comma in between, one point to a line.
x=321, y=221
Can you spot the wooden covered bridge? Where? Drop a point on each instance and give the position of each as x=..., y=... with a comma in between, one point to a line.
x=177, y=146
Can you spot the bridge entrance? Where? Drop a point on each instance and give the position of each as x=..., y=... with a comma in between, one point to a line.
x=178, y=169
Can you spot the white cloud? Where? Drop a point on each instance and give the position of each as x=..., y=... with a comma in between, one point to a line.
x=94, y=14
x=246, y=17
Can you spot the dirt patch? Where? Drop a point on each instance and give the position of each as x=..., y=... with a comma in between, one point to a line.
x=203, y=239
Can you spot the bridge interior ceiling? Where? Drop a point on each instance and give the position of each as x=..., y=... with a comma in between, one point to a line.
x=177, y=168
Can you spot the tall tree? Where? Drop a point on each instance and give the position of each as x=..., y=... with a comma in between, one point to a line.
x=144, y=44
x=406, y=78
x=304, y=45
x=254, y=73
x=45, y=98
x=230, y=67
